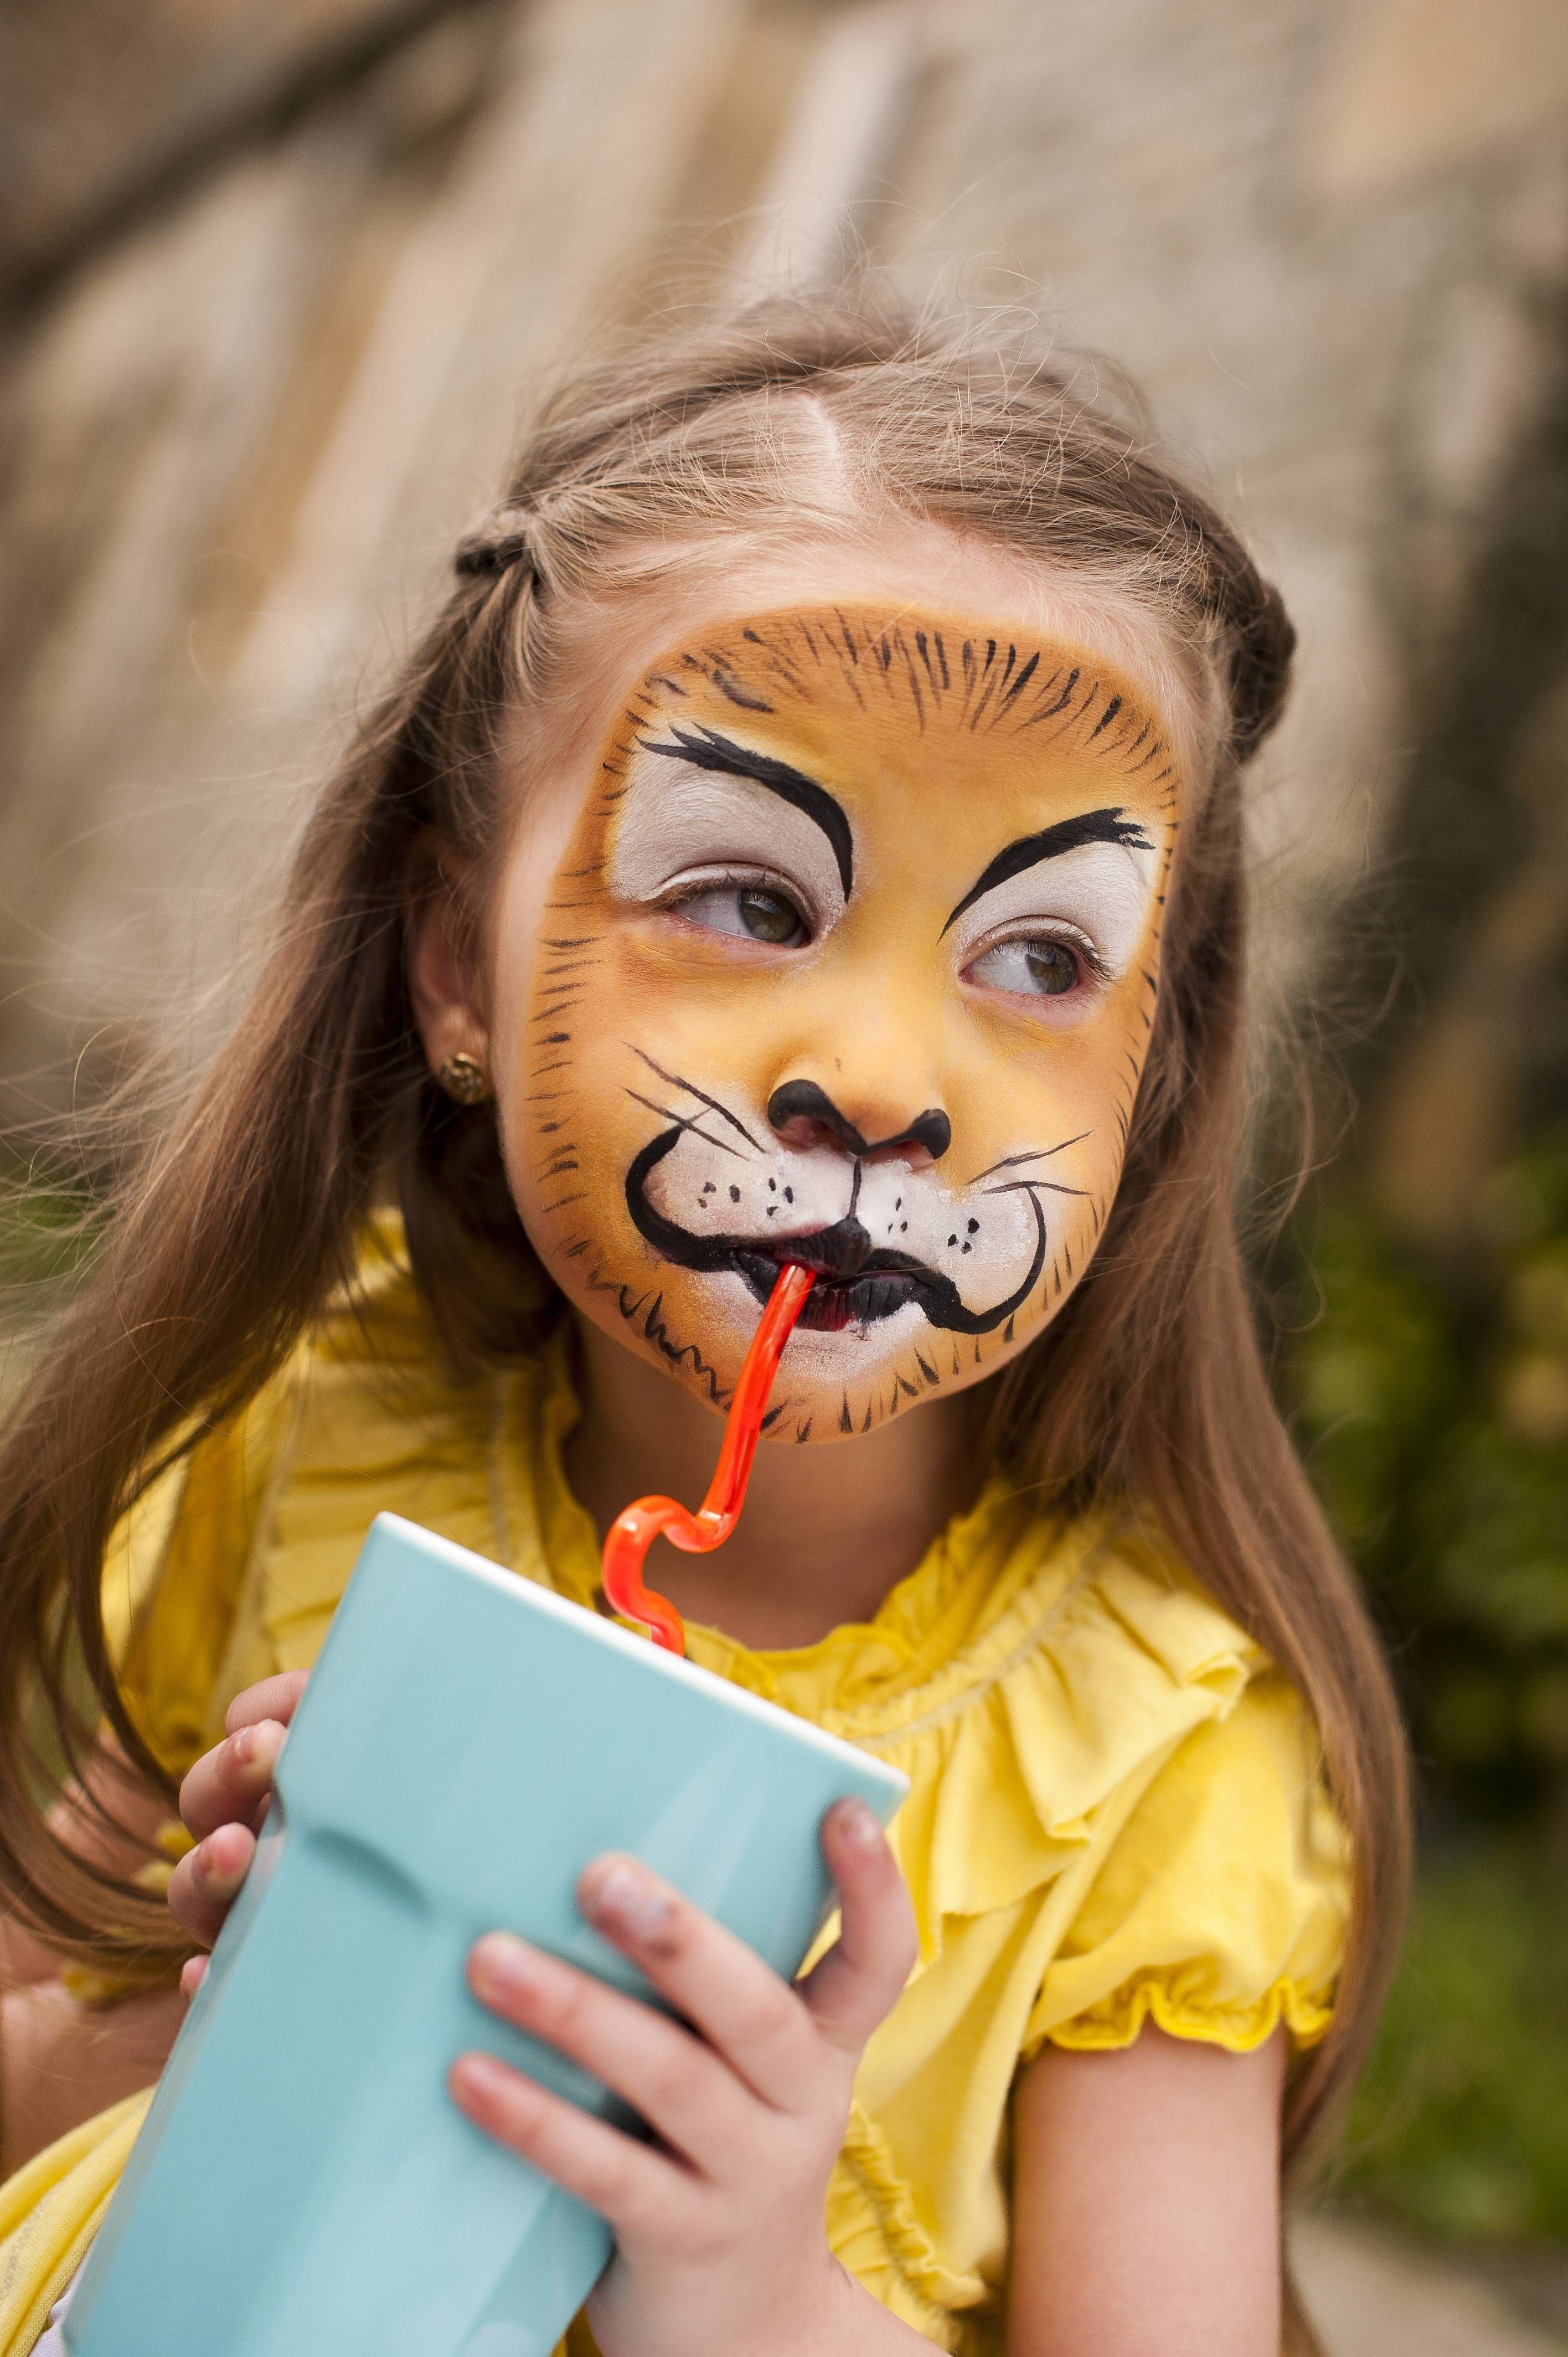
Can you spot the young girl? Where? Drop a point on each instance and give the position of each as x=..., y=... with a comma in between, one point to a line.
x=811, y=830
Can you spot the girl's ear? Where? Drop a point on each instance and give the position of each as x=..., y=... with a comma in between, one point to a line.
x=444, y=979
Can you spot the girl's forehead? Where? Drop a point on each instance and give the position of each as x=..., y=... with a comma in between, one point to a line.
x=893, y=707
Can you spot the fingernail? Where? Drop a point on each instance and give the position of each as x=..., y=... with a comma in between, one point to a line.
x=858, y=1825
x=218, y=1878
x=623, y=1897
x=252, y=1742
x=505, y=1965
x=477, y=2078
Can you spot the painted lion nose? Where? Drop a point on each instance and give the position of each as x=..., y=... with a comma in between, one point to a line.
x=804, y=1101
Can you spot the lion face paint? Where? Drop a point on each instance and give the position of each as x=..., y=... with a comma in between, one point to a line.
x=853, y=959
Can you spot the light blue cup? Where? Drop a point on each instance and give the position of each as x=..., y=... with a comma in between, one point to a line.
x=304, y=2186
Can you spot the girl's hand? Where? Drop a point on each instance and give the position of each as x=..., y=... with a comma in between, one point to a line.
x=223, y=1801
x=720, y=2240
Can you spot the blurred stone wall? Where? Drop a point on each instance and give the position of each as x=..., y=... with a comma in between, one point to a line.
x=280, y=279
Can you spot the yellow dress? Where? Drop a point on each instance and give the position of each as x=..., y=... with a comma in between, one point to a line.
x=1116, y=1811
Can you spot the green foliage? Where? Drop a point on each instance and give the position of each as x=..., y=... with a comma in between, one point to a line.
x=1460, y=2128
x=1431, y=1398
x=1432, y=1403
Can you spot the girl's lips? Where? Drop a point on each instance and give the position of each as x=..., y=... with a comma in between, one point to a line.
x=837, y=1300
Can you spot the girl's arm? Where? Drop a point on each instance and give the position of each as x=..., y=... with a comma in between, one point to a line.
x=1145, y=2207
x=61, y=2061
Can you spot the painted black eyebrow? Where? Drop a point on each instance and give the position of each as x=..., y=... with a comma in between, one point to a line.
x=706, y=749
x=1068, y=834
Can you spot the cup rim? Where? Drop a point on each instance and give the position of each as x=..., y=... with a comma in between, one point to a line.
x=578, y=1622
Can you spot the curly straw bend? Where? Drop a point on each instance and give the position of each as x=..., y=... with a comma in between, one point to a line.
x=634, y=1531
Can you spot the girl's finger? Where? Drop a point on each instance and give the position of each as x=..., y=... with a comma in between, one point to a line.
x=862, y=1976
x=202, y=1887
x=274, y=1697
x=230, y=1784
x=741, y=2007
x=632, y=2187
x=684, y=2093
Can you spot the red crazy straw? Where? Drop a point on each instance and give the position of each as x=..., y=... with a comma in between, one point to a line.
x=633, y=1532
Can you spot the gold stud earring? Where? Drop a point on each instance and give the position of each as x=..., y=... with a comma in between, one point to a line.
x=465, y=1079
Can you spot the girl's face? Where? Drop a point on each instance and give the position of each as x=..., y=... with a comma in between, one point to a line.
x=846, y=951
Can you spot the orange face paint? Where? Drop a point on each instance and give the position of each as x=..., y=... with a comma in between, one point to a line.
x=633, y=1532
x=851, y=960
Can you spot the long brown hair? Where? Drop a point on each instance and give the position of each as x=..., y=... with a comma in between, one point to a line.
x=1150, y=1383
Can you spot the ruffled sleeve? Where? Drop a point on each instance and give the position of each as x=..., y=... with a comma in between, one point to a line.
x=1116, y=1812
x=1219, y=1909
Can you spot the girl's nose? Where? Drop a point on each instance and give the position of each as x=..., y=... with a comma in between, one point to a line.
x=804, y=1115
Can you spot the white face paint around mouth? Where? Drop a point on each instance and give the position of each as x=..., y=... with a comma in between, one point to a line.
x=772, y=1196
x=888, y=1237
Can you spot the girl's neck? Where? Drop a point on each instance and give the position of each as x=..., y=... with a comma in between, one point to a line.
x=826, y=1531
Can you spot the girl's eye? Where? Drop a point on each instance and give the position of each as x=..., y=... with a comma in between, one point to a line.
x=1036, y=969
x=752, y=911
